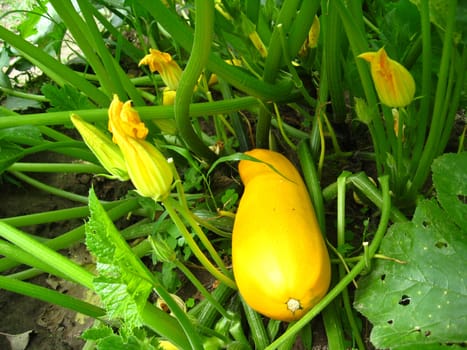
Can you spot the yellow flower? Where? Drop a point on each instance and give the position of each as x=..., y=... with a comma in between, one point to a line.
x=393, y=82
x=163, y=63
x=108, y=153
x=148, y=169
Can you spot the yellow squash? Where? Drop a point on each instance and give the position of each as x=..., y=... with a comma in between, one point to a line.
x=280, y=260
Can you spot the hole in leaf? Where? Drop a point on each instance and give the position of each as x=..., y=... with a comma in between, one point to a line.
x=390, y=321
x=427, y=333
x=383, y=276
x=405, y=300
x=425, y=223
x=462, y=198
x=441, y=244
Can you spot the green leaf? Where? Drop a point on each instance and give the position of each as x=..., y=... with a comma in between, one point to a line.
x=26, y=134
x=20, y=104
x=422, y=302
x=9, y=153
x=450, y=180
x=107, y=340
x=97, y=333
x=66, y=98
x=122, y=283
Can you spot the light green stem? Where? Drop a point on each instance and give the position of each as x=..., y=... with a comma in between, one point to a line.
x=439, y=117
x=48, y=256
x=77, y=168
x=50, y=296
x=199, y=286
x=171, y=206
x=146, y=113
x=50, y=189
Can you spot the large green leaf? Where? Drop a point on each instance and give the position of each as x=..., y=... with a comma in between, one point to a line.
x=122, y=283
x=422, y=302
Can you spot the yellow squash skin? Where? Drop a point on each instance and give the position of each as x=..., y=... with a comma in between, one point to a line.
x=280, y=260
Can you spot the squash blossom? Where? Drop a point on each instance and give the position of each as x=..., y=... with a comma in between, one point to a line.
x=108, y=153
x=393, y=82
x=148, y=169
x=163, y=63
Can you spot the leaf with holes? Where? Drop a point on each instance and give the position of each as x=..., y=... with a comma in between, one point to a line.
x=421, y=302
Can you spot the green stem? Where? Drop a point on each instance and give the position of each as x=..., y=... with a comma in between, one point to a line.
x=424, y=111
x=146, y=113
x=204, y=26
x=312, y=181
x=53, y=216
x=87, y=41
x=24, y=95
x=352, y=20
x=290, y=130
x=301, y=25
x=438, y=117
x=453, y=102
x=273, y=61
x=22, y=257
x=272, y=64
x=356, y=270
x=50, y=189
x=361, y=181
x=236, y=121
x=50, y=296
x=341, y=194
x=170, y=206
x=48, y=256
x=187, y=215
x=183, y=35
x=77, y=168
x=113, y=71
x=332, y=58
x=199, y=286
x=77, y=234
x=57, y=71
x=165, y=325
x=71, y=148
x=255, y=322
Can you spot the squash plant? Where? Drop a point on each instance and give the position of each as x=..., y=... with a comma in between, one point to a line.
x=251, y=79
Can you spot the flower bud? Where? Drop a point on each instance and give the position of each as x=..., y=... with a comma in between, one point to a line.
x=149, y=170
x=393, y=82
x=162, y=250
x=107, y=152
x=163, y=63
